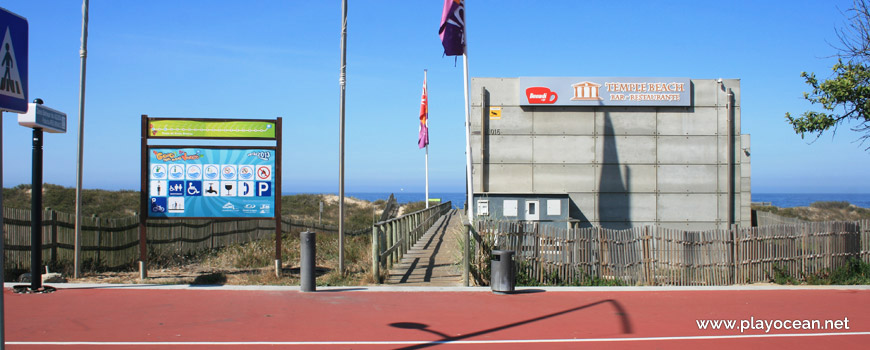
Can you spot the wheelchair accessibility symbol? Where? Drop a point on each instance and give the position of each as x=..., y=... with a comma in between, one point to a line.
x=194, y=188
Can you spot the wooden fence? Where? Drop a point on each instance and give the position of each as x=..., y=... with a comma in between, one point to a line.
x=661, y=256
x=114, y=243
x=392, y=238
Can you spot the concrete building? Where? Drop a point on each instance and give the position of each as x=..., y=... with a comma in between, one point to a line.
x=610, y=152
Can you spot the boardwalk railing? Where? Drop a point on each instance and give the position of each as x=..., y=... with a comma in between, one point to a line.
x=392, y=238
x=662, y=256
x=114, y=243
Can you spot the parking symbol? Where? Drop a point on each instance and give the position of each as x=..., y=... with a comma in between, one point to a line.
x=264, y=188
x=158, y=204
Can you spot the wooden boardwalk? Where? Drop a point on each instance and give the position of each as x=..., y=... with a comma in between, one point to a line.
x=432, y=260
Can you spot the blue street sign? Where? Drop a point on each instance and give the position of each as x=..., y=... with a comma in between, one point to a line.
x=13, y=62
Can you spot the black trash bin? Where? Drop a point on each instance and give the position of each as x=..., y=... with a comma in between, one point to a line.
x=502, y=275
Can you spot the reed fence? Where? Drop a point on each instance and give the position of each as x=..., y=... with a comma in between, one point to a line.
x=652, y=255
x=392, y=238
x=114, y=243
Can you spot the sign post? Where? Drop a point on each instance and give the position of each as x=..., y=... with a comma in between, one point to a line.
x=14, y=61
x=214, y=182
x=39, y=118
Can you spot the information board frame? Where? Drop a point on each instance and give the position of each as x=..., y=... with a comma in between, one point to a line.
x=227, y=135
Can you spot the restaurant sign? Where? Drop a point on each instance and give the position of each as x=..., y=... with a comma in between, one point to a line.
x=605, y=91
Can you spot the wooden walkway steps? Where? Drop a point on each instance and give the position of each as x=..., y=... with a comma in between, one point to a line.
x=432, y=260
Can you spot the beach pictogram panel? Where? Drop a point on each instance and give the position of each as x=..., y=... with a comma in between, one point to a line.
x=211, y=182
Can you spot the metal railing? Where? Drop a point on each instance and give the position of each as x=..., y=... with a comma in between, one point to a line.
x=392, y=238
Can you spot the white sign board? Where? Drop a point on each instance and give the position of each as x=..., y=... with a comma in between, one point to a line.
x=39, y=116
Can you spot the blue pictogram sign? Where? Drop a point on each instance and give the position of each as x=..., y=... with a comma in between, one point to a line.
x=13, y=62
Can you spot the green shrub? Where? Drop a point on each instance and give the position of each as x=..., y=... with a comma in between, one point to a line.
x=831, y=205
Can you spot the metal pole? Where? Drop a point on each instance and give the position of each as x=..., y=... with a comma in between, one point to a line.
x=426, y=89
x=307, y=264
x=730, y=130
x=470, y=187
x=342, y=82
x=2, y=246
x=36, y=213
x=279, y=236
x=84, y=55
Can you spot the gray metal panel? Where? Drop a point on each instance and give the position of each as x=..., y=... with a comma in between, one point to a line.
x=687, y=150
x=627, y=178
x=745, y=185
x=680, y=121
x=508, y=149
x=564, y=149
x=502, y=91
x=585, y=202
x=553, y=178
x=707, y=92
x=626, y=121
x=723, y=206
x=510, y=178
x=513, y=122
x=687, y=207
x=687, y=178
x=564, y=120
x=625, y=149
x=626, y=207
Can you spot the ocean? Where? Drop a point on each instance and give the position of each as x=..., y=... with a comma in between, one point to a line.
x=406, y=197
x=788, y=200
x=782, y=200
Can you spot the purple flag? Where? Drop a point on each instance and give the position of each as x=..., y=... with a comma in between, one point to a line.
x=452, y=31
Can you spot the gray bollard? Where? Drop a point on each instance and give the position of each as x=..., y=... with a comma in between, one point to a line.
x=306, y=261
x=503, y=277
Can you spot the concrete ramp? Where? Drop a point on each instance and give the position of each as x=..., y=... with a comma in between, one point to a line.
x=432, y=261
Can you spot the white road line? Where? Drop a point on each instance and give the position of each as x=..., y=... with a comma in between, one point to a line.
x=469, y=342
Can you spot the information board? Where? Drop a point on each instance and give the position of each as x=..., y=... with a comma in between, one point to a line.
x=210, y=182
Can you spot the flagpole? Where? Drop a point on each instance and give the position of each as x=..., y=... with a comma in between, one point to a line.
x=78, y=225
x=342, y=82
x=426, y=89
x=470, y=188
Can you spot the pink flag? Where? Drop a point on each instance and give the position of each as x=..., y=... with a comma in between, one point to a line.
x=452, y=30
x=423, y=139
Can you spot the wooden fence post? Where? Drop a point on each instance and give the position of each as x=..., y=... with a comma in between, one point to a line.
x=376, y=253
x=734, y=235
x=99, y=239
x=52, y=217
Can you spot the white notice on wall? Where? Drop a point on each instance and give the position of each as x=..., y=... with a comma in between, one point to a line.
x=510, y=207
x=554, y=207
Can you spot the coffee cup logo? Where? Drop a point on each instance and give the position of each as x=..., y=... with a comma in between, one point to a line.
x=541, y=95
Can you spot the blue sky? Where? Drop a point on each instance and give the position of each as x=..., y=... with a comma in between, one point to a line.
x=267, y=59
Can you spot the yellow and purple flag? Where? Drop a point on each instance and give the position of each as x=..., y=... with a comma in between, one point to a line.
x=452, y=31
x=423, y=138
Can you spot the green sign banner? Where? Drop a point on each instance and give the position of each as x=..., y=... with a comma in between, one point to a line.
x=186, y=128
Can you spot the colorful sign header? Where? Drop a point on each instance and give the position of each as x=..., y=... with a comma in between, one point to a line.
x=193, y=182
x=605, y=91
x=203, y=129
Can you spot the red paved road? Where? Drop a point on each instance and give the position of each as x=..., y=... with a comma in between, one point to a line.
x=166, y=319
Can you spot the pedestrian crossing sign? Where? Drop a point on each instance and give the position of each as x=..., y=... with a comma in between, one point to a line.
x=13, y=62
